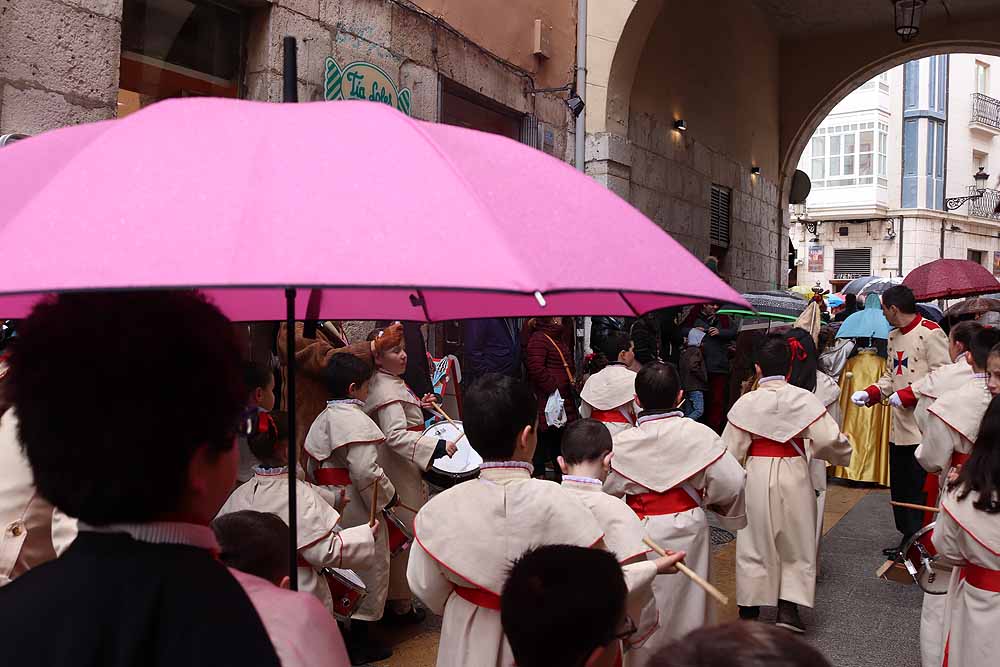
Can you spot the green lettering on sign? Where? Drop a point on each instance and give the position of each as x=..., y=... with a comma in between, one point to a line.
x=364, y=81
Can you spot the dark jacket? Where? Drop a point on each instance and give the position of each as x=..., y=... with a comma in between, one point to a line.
x=116, y=602
x=546, y=371
x=492, y=345
x=694, y=376
x=716, y=348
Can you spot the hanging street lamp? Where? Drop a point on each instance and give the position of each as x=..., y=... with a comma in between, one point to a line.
x=908, y=17
x=980, y=177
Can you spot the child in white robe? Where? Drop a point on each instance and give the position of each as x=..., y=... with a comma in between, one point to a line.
x=404, y=455
x=607, y=395
x=467, y=537
x=669, y=469
x=342, y=449
x=321, y=543
x=943, y=379
x=967, y=533
x=779, y=428
x=585, y=464
x=951, y=426
x=254, y=546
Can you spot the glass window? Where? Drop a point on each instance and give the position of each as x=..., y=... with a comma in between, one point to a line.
x=865, y=164
x=867, y=142
x=982, y=78
x=818, y=172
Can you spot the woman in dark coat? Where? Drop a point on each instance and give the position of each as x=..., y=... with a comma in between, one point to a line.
x=548, y=360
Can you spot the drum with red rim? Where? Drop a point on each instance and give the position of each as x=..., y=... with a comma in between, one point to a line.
x=346, y=589
x=400, y=537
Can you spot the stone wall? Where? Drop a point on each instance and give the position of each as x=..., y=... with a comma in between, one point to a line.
x=410, y=47
x=58, y=62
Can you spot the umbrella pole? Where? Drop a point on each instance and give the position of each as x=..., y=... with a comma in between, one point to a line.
x=293, y=550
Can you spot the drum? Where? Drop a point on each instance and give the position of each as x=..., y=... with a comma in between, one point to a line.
x=400, y=537
x=347, y=591
x=446, y=472
x=923, y=564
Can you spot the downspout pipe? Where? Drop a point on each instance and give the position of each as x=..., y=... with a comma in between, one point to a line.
x=581, y=82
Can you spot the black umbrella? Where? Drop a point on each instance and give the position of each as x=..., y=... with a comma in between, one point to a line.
x=854, y=287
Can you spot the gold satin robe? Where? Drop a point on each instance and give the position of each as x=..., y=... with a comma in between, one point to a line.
x=867, y=427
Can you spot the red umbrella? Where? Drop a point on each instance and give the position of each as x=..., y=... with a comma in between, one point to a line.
x=950, y=278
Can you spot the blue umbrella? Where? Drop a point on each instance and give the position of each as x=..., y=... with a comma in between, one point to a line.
x=868, y=323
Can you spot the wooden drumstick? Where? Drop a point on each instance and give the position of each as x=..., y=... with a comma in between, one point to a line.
x=689, y=573
x=911, y=506
x=371, y=521
x=438, y=409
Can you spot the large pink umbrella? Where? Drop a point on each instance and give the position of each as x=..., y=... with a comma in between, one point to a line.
x=388, y=217
x=950, y=278
x=377, y=216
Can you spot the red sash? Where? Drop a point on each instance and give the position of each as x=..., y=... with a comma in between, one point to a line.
x=766, y=447
x=610, y=416
x=977, y=577
x=333, y=477
x=419, y=428
x=479, y=597
x=932, y=485
x=671, y=501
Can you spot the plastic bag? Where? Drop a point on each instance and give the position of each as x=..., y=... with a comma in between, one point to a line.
x=555, y=410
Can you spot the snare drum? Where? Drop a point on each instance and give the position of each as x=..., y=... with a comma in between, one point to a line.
x=400, y=537
x=347, y=591
x=446, y=472
x=922, y=562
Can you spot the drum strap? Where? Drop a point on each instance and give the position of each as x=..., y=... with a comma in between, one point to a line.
x=479, y=597
x=959, y=458
x=779, y=450
x=419, y=428
x=332, y=477
x=672, y=501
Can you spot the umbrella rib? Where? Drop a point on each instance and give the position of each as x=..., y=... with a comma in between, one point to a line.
x=629, y=303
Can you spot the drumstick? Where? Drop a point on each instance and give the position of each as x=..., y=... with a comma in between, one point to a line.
x=371, y=521
x=436, y=407
x=689, y=573
x=923, y=508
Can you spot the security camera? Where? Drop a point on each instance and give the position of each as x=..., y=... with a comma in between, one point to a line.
x=576, y=105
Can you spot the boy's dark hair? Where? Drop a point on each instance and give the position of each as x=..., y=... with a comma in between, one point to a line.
x=253, y=542
x=585, y=440
x=983, y=341
x=344, y=370
x=612, y=344
x=85, y=459
x=740, y=643
x=657, y=385
x=256, y=375
x=560, y=603
x=773, y=355
x=266, y=431
x=902, y=297
x=496, y=408
x=964, y=331
x=981, y=472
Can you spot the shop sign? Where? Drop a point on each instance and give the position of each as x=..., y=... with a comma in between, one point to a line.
x=364, y=81
x=815, y=259
x=996, y=262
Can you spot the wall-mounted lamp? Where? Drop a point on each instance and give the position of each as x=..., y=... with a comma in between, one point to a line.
x=755, y=171
x=680, y=125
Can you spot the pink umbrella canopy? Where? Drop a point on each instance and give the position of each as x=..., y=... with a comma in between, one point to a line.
x=380, y=215
x=950, y=278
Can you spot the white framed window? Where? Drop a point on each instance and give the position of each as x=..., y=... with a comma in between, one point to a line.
x=849, y=154
x=980, y=160
x=982, y=78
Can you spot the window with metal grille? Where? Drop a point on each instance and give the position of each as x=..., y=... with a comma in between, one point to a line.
x=852, y=263
x=720, y=215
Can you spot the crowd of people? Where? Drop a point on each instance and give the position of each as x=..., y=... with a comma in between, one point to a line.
x=168, y=509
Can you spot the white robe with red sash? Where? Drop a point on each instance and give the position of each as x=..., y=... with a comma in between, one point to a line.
x=669, y=468
x=404, y=456
x=779, y=429
x=468, y=536
x=342, y=447
x=608, y=397
x=971, y=538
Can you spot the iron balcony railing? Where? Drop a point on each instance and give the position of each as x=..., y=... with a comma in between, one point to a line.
x=987, y=206
x=985, y=110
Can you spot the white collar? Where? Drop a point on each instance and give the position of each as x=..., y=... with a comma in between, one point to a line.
x=582, y=480
x=271, y=472
x=660, y=415
x=487, y=465
x=981, y=376
x=772, y=378
x=161, y=532
x=345, y=401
